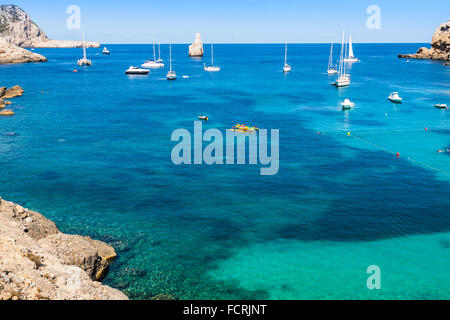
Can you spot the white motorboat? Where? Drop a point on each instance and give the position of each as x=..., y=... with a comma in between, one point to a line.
x=84, y=61
x=153, y=64
x=440, y=106
x=286, y=67
x=351, y=57
x=137, y=70
x=212, y=67
x=171, y=75
x=394, y=97
x=347, y=104
x=106, y=51
x=343, y=79
x=204, y=118
x=331, y=68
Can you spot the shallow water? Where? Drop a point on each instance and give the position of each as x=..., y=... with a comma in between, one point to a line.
x=91, y=151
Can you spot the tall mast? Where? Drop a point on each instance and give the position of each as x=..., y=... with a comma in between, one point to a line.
x=159, y=51
x=285, y=55
x=170, y=56
x=84, y=47
x=154, y=52
x=345, y=57
x=330, y=60
x=341, y=60
x=212, y=54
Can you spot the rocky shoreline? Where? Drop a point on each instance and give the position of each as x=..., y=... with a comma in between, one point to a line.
x=440, y=46
x=39, y=262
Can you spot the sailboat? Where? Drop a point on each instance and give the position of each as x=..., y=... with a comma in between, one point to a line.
x=171, y=75
x=343, y=79
x=286, y=67
x=331, y=68
x=212, y=68
x=159, y=55
x=351, y=56
x=152, y=64
x=85, y=61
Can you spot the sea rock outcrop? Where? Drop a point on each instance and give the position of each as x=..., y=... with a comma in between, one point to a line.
x=196, y=49
x=440, y=46
x=10, y=53
x=37, y=261
x=12, y=92
x=17, y=28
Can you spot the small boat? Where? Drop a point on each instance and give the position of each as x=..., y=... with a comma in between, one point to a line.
x=153, y=64
x=106, y=51
x=441, y=106
x=351, y=57
x=171, y=75
x=331, y=68
x=204, y=118
x=159, y=54
x=212, y=67
x=347, y=104
x=84, y=61
x=7, y=112
x=242, y=128
x=286, y=67
x=137, y=70
x=394, y=97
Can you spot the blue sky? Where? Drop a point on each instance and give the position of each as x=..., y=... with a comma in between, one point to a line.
x=243, y=21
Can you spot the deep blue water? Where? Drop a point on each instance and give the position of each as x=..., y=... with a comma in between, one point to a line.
x=92, y=149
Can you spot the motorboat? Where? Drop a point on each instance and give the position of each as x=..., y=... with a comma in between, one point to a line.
x=204, y=118
x=347, y=104
x=441, y=106
x=106, y=51
x=137, y=70
x=394, y=97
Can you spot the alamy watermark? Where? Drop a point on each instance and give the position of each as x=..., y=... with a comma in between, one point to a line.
x=374, y=20
x=374, y=280
x=213, y=153
x=74, y=20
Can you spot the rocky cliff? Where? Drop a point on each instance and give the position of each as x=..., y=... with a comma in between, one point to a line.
x=17, y=28
x=10, y=53
x=38, y=262
x=196, y=49
x=440, y=46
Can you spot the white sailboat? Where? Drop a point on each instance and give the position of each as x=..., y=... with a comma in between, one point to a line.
x=159, y=54
x=84, y=61
x=286, y=67
x=212, y=67
x=331, y=68
x=153, y=64
x=343, y=79
x=171, y=75
x=351, y=56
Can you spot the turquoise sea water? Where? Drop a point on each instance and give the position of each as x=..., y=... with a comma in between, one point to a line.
x=91, y=151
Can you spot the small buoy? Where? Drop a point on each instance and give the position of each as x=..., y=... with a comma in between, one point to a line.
x=398, y=154
x=348, y=133
x=75, y=70
x=426, y=129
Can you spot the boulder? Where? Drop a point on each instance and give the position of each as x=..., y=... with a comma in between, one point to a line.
x=196, y=49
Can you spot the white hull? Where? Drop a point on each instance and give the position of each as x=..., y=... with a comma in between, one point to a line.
x=212, y=69
x=171, y=75
x=84, y=62
x=343, y=81
x=152, y=65
x=351, y=60
x=394, y=97
x=332, y=71
x=135, y=70
x=287, y=68
x=396, y=100
x=441, y=106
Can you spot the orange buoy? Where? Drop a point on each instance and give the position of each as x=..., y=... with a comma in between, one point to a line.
x=75, y=70
x=426, y=129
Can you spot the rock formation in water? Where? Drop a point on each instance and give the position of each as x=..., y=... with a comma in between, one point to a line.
x=10, y=53
x=440, y=46
x=196, y=49
x=38, y=262
x=17, y=28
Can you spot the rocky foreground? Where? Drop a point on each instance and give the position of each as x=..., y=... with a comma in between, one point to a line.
x=38, y=262
x=440, y=46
